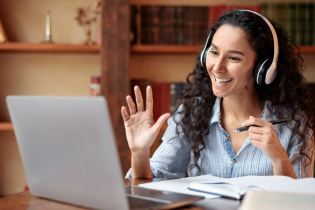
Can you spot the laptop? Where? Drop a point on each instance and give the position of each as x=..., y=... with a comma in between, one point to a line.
x=69, y=154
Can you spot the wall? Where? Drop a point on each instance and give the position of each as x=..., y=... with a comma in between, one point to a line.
x=39, y=73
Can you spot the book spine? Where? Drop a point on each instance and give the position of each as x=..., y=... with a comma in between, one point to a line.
x=168, y=25
x=138, y=23
x=186, y=25
x=144, y=25
x=165, y=98
x=299, y=24
x=162, y=25
x=150, y=25
x=290, y=16
x=255, y=8
x=213, y=15
x=204, y=25
x=172, y=97
x=157, y=101
x=307, y=25
x=281, y=15
x=133, y=23
x=180, y=25
x=263, y=9
x=155, y=24
x=172, y=25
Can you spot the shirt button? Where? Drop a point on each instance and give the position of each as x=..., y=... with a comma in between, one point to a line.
x=226, y=138
x=234, y=161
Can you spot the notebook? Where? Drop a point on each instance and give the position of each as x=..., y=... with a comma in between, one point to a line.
x=69, y=154
x=237, y=187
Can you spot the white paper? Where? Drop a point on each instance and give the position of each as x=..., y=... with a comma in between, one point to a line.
x=306, y=185
x=181, y=185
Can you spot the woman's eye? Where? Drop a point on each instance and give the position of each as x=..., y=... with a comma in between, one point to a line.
x=214, y=52
x=234, y=59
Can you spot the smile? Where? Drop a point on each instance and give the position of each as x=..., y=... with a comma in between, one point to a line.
x=222, y=81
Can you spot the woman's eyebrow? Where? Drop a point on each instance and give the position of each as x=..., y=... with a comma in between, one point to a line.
x=231, y=51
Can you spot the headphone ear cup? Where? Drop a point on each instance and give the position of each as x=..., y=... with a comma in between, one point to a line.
x=260, y=71
x=204, y=57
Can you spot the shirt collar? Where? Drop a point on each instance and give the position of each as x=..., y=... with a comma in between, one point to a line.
x=267, y=114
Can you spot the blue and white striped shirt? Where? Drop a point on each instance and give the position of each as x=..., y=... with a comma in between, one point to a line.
x=172, y=158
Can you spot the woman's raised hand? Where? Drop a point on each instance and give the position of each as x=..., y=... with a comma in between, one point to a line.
x=140, y=128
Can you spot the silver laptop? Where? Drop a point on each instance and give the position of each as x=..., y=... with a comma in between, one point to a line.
x=69, y=154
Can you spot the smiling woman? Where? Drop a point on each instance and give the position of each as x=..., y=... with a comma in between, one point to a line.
x=230, y=87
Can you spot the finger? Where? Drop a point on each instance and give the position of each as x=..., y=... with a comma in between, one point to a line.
x=256, y=137
x=258, y=130
x=149, y=102
x=256, y=143
x=131, y=105
x=139, y=99
x=157, y=126
x=255, y=121
x=124, y=114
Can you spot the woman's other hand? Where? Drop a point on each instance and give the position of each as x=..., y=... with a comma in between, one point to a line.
x=266, y=138
x=140, y=128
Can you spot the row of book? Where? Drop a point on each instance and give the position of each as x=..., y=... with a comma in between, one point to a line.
x=298, y=19
x=188, y=25
x=175, y=25
x=165, y=95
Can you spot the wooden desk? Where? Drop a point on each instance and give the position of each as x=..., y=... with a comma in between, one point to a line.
x=26, y=201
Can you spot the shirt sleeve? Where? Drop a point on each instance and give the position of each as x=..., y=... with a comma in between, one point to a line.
x=172, y=157
x=297, y=159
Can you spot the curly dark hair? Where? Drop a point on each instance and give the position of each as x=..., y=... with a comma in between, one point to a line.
x=287, y=92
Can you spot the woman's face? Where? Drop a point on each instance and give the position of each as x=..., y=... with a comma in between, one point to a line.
x=230, y=62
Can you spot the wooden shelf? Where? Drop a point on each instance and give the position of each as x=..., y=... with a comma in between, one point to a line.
x=307, y=49
x=6, y=126
x=152, y=49
x=48, y=48
x=174, y=49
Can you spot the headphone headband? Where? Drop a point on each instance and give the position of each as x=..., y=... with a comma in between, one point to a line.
x=272, y=69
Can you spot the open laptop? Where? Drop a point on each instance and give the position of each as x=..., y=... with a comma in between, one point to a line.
x=69, y=154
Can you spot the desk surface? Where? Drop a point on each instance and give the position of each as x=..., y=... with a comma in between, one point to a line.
x=26, y=201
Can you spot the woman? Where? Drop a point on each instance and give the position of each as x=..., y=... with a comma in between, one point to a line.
x=223, y=96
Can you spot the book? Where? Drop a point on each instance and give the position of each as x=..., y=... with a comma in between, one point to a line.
x=176, y=88
x=161, y=99
x=290, y=17
x=237, y=187
x=260, y=200
x=299, y=23
x=3, y=36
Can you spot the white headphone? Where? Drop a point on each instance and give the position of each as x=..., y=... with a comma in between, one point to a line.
x=266, y=70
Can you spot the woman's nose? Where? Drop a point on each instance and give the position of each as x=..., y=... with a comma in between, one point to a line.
x=219, y=65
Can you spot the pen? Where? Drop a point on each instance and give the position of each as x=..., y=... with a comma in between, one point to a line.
x=241, y=129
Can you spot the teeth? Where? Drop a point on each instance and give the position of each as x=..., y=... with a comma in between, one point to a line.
x=222, y=80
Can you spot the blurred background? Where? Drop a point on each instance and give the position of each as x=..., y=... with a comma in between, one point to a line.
x=54, y=72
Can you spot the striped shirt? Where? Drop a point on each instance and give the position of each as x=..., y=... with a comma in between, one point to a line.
x=173, y=156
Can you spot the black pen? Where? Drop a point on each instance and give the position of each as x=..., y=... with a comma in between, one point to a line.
x=241, y=129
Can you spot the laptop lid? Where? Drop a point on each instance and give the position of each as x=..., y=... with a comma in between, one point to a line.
x=68, y=150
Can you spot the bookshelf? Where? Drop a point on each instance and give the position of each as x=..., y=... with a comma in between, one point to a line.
x=48, y=48
x=96, y=49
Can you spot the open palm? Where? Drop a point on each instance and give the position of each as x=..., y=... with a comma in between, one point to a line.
x=140, y=128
